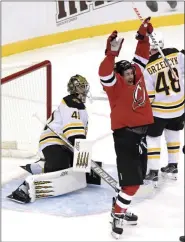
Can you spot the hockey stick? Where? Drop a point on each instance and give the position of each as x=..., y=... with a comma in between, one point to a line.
x=95, y=167
x=96, y=98
x=101, y=115
x=155, y=43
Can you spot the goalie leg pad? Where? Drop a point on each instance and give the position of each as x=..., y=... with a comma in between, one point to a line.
x=55, y=183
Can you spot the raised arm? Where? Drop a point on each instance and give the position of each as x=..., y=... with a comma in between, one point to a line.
x=106, y=69
x=143, y=46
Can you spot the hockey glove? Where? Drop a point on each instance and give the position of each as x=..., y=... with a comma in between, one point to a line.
x=113, y=46
x=145, y=29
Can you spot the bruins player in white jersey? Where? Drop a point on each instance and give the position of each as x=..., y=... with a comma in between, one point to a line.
x=70, y=120
x=167, y=100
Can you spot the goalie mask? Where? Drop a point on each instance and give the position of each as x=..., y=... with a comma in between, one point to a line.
x=78, y=85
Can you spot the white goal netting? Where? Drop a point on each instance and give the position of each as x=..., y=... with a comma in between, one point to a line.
x=23, y=95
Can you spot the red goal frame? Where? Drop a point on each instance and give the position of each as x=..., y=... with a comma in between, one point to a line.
x=44, y=64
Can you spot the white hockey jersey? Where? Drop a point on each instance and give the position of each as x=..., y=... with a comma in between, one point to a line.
x=165, y=93
x=70, y=120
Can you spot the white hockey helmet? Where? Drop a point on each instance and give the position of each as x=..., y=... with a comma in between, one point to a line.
x=160, y=40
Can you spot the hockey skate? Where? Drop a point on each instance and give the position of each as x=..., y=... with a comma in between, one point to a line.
x=170, y=171
x=129, y=218
x=20, y=195
x=117, y=225
x=152, y=177
x=27, y=168
x=35, y=168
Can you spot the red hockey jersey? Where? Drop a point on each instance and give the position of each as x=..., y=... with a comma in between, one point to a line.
x=130, y=105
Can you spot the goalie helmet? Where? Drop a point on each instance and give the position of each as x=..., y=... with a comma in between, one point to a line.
x=122, y=66
x=160, y=40
x=78, y=85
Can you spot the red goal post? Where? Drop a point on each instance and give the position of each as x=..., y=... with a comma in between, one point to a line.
x=24, y=93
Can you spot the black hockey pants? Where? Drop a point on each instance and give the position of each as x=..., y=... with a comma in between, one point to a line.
x=131, y=165
x=57, y=158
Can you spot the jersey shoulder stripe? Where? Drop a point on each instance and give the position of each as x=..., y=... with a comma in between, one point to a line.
x=166, y=51
x=109, y=80
x=73, y=102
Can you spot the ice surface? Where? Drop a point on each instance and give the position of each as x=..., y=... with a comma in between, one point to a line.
x=160, y=218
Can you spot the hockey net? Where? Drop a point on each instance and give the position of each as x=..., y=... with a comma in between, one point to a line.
x=25, y=91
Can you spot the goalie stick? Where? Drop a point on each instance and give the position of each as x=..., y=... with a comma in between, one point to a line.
x=155, y=43
x=95, y=167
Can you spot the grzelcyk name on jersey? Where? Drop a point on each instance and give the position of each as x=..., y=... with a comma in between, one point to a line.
x=68, y=11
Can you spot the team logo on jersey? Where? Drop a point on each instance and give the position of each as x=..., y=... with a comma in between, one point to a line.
x=139, y=96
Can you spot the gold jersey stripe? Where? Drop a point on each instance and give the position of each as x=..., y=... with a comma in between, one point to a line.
x=153, y=149
x=63, y=102
x=73, y=125
x=171, y=144
x=173, y=151
x=51, y=140
x=169, y=104
x=153, y=156
x=161, y=59
x=168, y=110
x=47, y=134
x=74, y=132
x=151, y=92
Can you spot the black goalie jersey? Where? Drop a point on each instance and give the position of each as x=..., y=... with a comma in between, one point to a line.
x=165, y=93
x=70, y=120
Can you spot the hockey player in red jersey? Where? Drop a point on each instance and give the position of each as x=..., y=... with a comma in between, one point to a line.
x=131, y=114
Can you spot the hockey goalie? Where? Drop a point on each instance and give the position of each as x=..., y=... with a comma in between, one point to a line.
x=55, y=176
